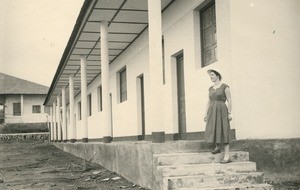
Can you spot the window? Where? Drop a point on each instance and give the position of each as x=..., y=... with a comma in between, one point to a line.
x=68, y=115
x=79, y=110
x=123, y=85
x=16, y=109
x=36, y=109
x=100, y=98
x=1, y=113
x=208, y=34
x=89, y=104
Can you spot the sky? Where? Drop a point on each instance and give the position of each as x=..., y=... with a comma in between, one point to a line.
x=33, y=36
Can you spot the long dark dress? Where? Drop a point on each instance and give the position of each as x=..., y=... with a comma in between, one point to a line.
x=217, y=124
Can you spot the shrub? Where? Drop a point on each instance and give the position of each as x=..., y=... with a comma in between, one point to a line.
x=23, y=128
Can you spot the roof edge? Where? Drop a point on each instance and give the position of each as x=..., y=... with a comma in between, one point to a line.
x=26, y=80
x=80, y=20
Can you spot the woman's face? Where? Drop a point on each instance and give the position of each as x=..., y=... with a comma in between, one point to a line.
x=213, y=77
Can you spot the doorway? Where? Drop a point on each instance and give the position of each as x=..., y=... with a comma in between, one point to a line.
x=141, y=106
x=111, y=116
x=181, y=97
x=2, y=113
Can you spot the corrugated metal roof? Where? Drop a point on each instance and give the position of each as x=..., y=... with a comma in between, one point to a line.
x=127, y=20
x=13, y=85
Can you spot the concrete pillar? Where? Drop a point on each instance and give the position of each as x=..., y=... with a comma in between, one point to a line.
x=47, y=121
x=155, y=70
x=64, y=114
x=72, y=110
x=54, y=122
x=51, y=125
x=107, y=138
x=84, y=100
x=58, y=119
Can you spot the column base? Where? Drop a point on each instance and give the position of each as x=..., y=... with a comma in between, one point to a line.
x=65, y=141
x=85, y=140
x=141, y=137
x=158, y=137
x=107, y=139
x=73, y=140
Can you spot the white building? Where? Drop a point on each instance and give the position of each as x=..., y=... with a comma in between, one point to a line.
x=21, y=101
x=137, y=69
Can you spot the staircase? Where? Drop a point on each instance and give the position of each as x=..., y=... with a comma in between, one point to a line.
x=191, y=171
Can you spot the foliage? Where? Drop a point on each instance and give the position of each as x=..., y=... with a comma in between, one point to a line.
x=23, y=128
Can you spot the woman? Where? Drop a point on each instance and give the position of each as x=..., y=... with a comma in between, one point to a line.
x=218, y=115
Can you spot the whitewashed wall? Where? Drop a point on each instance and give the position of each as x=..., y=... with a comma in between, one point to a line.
x=29, y=101
x=26, y=116
x=9, y=100
x=265, y=58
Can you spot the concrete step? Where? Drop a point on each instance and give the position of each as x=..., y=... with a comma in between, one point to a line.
x=197, y=158
x=191, y=146
x=181, y=146
x=263, y=186
x=214, y=180
x=212, y=168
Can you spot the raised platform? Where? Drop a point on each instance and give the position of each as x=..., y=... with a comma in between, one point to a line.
x=179, y=162
x=137, y=161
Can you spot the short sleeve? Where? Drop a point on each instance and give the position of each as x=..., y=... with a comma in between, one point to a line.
x=226, y=86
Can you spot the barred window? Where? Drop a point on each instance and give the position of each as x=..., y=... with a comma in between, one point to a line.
x=123, y=85
x=100, y=98
x=16, y=109
x=89, y=104
x=36, y=109
x=208, y=34
x=79, y=110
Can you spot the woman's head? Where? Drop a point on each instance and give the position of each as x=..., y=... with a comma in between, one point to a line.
x=214, y=75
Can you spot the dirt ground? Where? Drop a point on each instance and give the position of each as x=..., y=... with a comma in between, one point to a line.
x=36, y=165
x=41, y=166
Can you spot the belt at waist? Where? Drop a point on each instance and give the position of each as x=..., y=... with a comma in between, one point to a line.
x=218, y=101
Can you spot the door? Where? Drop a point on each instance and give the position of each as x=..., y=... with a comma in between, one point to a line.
x=2, y=113
x=181, y=98
x=111, y=116
x=141, y=103
x=75, y=127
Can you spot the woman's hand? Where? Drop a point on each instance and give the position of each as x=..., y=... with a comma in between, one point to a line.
x=229, y=116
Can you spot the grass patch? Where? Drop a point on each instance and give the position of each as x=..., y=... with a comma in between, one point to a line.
x=23, y=128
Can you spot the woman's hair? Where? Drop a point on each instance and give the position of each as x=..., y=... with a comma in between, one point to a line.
x=216, y=73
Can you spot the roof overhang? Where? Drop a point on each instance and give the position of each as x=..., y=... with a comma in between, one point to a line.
x=127, y=19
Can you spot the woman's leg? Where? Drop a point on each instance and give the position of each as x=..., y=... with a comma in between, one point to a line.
x=226, y=151
x=217, y=149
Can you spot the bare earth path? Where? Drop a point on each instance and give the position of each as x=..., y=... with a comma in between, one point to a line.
x=36, y=165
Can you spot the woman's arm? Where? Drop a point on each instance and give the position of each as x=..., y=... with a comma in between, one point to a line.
x=229, y=100
x=228, y=97
x=206, y=110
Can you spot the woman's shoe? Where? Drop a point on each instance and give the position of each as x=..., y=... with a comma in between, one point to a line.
x=216, y=151
x=225, y=161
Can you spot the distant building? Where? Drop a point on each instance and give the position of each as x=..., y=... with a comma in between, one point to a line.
x=21, y=101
